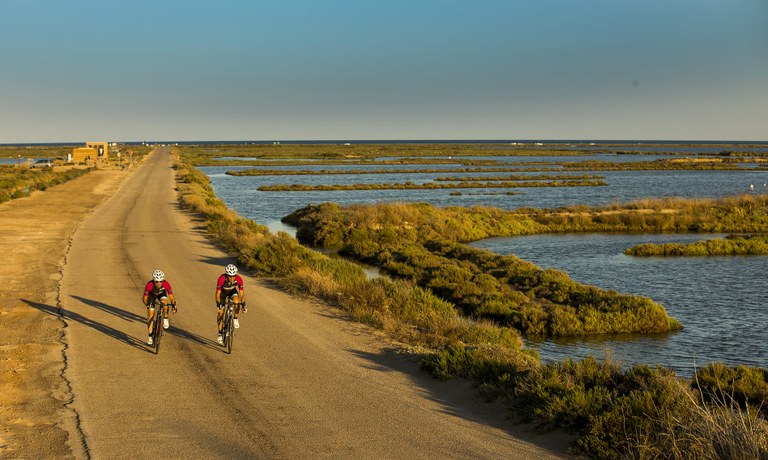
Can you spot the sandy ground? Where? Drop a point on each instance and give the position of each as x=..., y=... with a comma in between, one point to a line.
x=35, y=421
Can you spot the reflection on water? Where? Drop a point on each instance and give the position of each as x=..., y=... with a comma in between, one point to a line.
x=719, y=300
x=275, y=226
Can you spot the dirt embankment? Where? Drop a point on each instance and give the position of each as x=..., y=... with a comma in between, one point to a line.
x=34, y=419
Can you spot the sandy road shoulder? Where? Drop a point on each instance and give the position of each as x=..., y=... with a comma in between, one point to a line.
x=36, y=231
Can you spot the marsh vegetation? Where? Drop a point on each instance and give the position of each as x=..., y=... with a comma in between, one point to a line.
x=423, y=244
x=750, y=245
x=448, y=301
x=23, y=152
x=430, y=185
x=17, y=182
x=447, y=153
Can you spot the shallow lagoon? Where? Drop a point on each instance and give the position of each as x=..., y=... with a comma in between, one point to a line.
x=269, y=207
x=719, y=300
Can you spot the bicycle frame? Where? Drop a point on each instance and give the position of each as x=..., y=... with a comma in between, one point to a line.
x=157, y=323
x=227, y=326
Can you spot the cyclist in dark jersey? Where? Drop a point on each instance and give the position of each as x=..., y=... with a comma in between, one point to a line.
x=229, y=286
x=158, y=288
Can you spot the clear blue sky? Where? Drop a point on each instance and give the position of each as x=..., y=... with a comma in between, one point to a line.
x=188, y=70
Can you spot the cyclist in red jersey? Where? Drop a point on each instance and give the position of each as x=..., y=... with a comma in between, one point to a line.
x=229, y=286
x=158, y=288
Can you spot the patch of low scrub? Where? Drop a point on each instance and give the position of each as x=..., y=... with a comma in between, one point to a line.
x=18, y=182
x=641, y=412
x=742, y=385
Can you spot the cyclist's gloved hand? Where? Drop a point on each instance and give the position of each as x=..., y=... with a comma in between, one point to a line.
x=173, y=306
x=244, y=308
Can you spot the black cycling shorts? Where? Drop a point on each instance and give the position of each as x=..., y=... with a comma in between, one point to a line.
x=227, y=295
x=151, y=298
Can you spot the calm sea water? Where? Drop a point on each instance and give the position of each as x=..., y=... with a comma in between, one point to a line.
x=719, y=300
x=14, y=161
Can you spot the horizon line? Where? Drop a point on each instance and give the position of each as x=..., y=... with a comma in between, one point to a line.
x=405, y=141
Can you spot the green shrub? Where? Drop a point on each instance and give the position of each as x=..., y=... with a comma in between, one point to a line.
x=280, y=256
x=746, y=386
x=486, y=365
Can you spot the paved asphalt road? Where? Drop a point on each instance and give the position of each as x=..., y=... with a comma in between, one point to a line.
x=300, y=383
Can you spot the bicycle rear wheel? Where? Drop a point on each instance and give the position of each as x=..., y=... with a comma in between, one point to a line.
x=158, y=328
x=230, y=335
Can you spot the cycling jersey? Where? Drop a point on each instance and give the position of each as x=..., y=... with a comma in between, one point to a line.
x=227, y=289
x=158, y=291
x=224, y=284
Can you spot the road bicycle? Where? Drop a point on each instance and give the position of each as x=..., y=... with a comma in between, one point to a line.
x=157, y=324
x=228, y=325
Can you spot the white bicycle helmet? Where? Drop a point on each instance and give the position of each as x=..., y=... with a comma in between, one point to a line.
x=231, y=270
x=158, y=275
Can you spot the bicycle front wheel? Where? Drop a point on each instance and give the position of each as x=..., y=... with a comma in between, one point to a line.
x=230, y=335
x=158, y=329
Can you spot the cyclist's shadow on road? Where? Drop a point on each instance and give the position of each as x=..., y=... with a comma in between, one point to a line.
x=112, y=310
x=117, y=334
x=130, y=316
x=68, y=315
x=216, y=261
x=196, y=338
